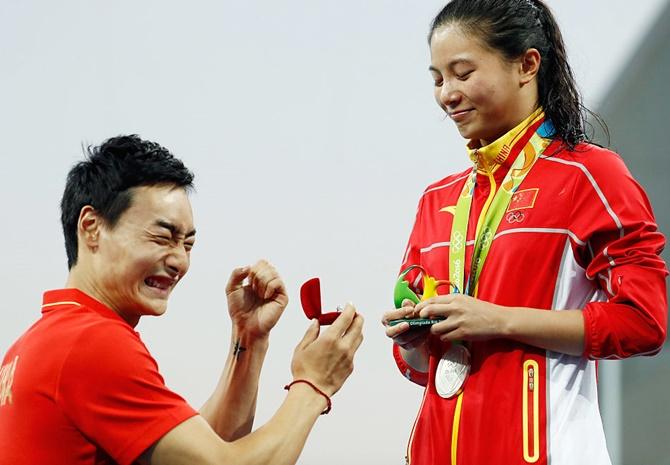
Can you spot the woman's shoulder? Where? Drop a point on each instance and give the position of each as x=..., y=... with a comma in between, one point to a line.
x=589, y=158
x=452, y=181
x=585, y=152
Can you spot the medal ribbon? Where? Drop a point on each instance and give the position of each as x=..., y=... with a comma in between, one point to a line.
x=529, y=139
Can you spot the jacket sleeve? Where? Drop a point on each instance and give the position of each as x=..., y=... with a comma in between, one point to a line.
x=411, y=257
x=622, y=255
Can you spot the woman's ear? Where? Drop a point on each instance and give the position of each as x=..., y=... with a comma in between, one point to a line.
x=529, y=65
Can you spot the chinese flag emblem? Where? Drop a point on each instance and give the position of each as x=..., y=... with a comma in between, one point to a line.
x=523, y=199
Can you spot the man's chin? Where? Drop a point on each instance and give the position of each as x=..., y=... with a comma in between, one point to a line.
x=153, y=307
x=157, y=311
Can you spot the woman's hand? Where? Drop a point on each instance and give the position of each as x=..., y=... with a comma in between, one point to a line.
x=467, y=318
x=401, y=333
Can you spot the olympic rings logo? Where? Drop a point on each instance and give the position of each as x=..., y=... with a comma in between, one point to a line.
x=457, y=243
x=515, y=217
x=486, y=238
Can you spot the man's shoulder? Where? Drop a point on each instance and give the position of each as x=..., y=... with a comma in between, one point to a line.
x=98, y=339
x=107, y=355
x=83, y=327
x=72, y=328
x=78, y=339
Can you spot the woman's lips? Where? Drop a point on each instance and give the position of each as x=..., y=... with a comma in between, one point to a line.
x=459, y=115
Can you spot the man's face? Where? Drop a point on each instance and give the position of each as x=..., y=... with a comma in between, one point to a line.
x=141, y=259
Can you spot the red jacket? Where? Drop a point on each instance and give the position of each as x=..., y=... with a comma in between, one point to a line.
x=579, y=234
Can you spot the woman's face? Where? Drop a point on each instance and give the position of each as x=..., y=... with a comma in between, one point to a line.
x=479, y=90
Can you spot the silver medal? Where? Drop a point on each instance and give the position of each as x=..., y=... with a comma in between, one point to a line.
x=452, y=371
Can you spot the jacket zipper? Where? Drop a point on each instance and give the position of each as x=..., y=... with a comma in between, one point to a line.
x=531, y=403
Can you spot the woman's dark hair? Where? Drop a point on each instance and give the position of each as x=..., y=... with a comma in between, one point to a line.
x=105, y=179
x=513, y=26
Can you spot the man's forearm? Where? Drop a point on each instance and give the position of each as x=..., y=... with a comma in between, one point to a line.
x=230, y=410
x=278, y=442
x=281, y=440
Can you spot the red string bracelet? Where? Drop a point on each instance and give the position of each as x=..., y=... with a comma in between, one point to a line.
x=330, y=404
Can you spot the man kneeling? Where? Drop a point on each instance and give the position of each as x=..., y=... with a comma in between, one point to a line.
x=80, y=387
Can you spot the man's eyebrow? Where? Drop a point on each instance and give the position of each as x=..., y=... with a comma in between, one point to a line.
x=173, y=229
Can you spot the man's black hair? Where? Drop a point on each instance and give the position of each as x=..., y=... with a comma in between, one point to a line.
x=106, y=178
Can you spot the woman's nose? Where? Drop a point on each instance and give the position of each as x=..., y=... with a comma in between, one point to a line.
x=449, y=96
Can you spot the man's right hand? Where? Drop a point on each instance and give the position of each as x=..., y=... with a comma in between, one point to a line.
x=327, y=359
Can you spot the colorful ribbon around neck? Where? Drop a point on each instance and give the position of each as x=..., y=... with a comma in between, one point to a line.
x=530, y=141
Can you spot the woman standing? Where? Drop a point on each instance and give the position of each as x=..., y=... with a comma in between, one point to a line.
x=548, y=239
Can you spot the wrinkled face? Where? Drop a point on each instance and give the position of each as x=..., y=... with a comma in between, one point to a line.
x=141, y=259
x=474, y=85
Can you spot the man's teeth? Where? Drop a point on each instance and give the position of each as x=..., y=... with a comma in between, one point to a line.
x=157, y=283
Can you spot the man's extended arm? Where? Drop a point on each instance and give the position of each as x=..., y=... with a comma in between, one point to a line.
x=325, y=360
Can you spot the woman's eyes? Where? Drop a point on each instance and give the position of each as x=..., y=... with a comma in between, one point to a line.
x=464, y=76
x=438, y=81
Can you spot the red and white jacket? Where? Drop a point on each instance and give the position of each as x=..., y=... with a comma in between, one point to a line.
x=579, y=234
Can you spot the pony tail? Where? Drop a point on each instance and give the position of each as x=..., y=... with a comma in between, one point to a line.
x=558, y=92
x=511, y=27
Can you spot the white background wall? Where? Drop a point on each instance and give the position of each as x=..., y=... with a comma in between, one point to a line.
x=312, y=131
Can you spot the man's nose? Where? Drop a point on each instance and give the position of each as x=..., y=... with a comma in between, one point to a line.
x=178, y=260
